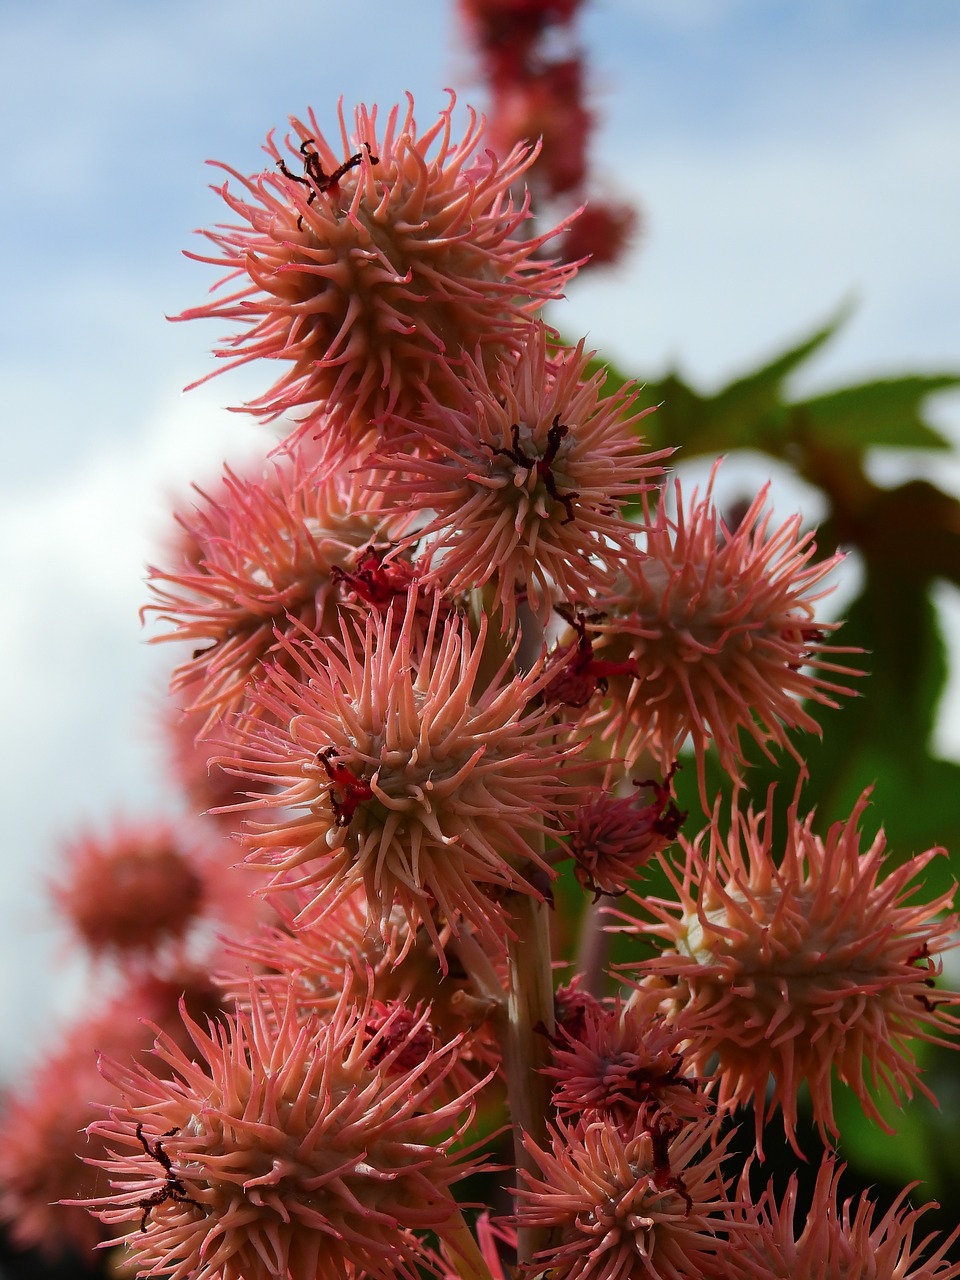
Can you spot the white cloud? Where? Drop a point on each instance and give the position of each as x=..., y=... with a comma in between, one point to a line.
x=77, y=678
x=753, y=238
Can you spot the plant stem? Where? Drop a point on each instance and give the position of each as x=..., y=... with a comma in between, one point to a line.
x=478, y=966
x=526, y=1044
x=594, y=947
x=471, y=1264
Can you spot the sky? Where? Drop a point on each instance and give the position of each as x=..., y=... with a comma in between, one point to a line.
x=790, y=156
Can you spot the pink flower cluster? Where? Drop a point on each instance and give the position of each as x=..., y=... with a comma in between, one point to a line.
x=445, y=653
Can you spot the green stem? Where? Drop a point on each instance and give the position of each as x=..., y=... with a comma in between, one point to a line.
x=527, y=1021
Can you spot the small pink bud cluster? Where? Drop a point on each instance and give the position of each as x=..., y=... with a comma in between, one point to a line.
x=536, y=71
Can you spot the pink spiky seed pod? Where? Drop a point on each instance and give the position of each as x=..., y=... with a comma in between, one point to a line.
x=44, y=1118
x=420, y=777
x=41, y=1145
x=259, y=557
x=545, y=99
x=624, y=1060
x=284, y=1145
x=573, y=1006
x=645, y=1203
x=834, y=1239
x=203, y=784
x=131, y=892
x=370, y=271
x=510, y=14
x=525, y=471
x=314, y=960
x=612, y=837
x=786, y=965
x=602, y=234
x=720, y=624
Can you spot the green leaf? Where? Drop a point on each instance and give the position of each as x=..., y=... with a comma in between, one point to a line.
x=881, y=739
x=755, y=412
x=758, y=395
x=883, y=414
x=743, y=415
x=899, y=1157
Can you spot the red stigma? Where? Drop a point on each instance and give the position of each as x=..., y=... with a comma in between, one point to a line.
x=669, y=816
x=373, y=580
x=661, y=1135
x=582, y=674
x=347, y=791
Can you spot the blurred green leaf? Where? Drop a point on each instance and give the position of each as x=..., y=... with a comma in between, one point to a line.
x=882, y=414
x=743, y=415
x=908, y=535
x=755, y=411
x=901, y=1156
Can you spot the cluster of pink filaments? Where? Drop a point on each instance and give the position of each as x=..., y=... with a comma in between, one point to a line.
x=452, y=638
